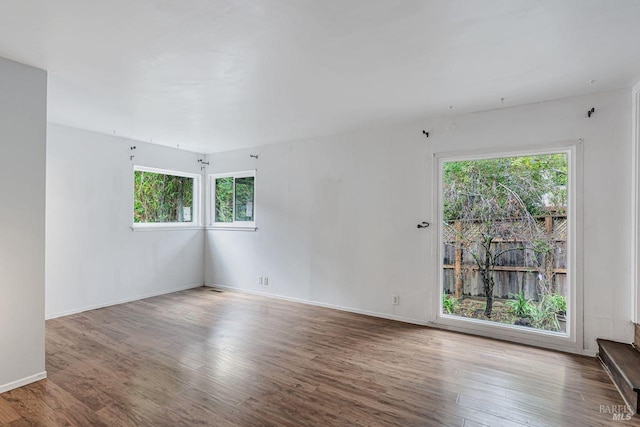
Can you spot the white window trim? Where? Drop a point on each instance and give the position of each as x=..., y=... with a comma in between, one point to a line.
x=573, y=340
x=635, y=207
x=195, y=224
x=235, y=225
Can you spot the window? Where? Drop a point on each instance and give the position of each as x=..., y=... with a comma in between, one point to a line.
x=162, y=197
x=506, y=239
x=234, y=199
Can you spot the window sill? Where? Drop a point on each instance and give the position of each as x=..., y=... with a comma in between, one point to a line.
x=564, y=341
x=231, y=228
x=165, y=227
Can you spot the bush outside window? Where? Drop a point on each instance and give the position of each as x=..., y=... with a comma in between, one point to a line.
x=234, y=199
x=164, y=197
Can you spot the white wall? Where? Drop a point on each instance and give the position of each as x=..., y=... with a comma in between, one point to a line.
x=93, y=258
x=23, y=101
x=337, y=215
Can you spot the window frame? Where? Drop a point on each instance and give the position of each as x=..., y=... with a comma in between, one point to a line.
x=235, y=225
x=573, y=339
x=635, y=197
x=196, y=214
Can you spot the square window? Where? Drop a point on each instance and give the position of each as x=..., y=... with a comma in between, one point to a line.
x=234, y=199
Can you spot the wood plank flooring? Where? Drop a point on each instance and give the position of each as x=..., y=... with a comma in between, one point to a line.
x=201, y=357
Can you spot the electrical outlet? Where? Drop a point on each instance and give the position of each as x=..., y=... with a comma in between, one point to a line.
x=265, y=281
x=395, y=299
x=260, y=280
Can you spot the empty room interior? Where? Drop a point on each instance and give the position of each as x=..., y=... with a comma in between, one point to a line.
x=319, y=212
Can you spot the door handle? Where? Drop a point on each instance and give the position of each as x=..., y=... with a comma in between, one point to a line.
x=423, y=224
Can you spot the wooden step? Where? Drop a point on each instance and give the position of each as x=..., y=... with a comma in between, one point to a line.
x=622, y=361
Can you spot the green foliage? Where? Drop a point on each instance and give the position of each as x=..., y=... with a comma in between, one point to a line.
x=482, y=185
x=542, y=247
x=232, y=191
x=224, y=199
x=449, y=303
x=555, y=303
x=522, y=307
x=545, y=314
x=546, y=317
x=161, y=198
x=487, y=201
x=244, y=198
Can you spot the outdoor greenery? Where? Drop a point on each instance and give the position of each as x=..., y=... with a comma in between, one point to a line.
x=488, y=202
x=162, y=198
x=224, y=199
x=244, y=198
x=519, y=311
x=522, y=307
x=230, y=191
x=495, y=188
x=556, y=303
x=449, y=303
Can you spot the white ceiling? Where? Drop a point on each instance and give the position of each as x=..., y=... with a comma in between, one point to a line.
x=214, y=75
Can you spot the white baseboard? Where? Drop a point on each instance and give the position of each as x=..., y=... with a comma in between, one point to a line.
x=325, y=305
x=121, y=301
x=23, y=381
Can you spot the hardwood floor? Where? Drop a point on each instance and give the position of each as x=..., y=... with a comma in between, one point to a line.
x=209, y=358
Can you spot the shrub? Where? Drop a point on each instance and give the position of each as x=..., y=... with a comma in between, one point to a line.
x=522, y=307
x=550, y=307
x=449, y=303
x=556, y=303
x=546, y=319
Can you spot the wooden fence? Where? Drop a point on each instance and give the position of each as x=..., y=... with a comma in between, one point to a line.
x=517, y=270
